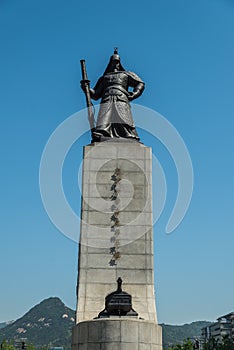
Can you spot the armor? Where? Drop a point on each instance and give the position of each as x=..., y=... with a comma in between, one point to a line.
x=115, y=117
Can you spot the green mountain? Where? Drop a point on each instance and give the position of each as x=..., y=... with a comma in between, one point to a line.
x=4, y=324
x=48, y=323
x=176, y=334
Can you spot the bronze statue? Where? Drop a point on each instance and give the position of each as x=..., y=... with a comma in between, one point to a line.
x=114, y=118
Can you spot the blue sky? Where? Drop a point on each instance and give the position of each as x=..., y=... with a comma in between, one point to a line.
x=184, y=52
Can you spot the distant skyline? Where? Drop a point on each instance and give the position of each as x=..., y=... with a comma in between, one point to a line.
x=184, y=52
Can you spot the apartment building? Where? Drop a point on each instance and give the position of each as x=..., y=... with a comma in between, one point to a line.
x=224, y=327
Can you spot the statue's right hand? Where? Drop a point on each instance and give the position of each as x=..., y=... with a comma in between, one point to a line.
x=83, y=85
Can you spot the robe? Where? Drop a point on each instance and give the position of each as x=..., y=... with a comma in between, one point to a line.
x=115, y=116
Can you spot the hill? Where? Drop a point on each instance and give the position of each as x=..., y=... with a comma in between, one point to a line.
x=176, y=334
x=4, y=324
x=49, y=322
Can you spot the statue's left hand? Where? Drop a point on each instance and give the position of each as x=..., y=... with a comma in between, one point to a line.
x=130, y=96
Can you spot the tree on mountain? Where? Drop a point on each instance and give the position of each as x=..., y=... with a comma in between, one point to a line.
x=187, y=345
x=228, y=344
x=213, y=344
x=9, y=345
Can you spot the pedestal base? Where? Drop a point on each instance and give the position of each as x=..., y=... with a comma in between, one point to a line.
x=117, y=334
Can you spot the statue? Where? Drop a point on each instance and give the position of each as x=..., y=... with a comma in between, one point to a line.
x=114, y=118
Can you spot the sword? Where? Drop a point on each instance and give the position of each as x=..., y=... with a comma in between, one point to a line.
x=85, y=81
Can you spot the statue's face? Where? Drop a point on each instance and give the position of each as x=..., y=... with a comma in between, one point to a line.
x=115, y=65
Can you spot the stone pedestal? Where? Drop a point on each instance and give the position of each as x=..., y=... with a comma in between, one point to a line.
x=117, y=334
x=116, y=240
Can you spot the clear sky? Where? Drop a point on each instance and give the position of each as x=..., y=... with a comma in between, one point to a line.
x=184, y=51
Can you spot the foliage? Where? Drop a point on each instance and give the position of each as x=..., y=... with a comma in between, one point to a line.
x=11, y=345
x=173, y=335
x=7, y=345
x=3, y=324
x=212, y=344
x=46, y=324
x=187, y=345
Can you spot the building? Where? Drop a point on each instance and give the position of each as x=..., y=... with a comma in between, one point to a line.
x=224, y=327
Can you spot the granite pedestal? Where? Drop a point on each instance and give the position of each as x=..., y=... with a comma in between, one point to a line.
x=116, y=240
x=117, y=334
